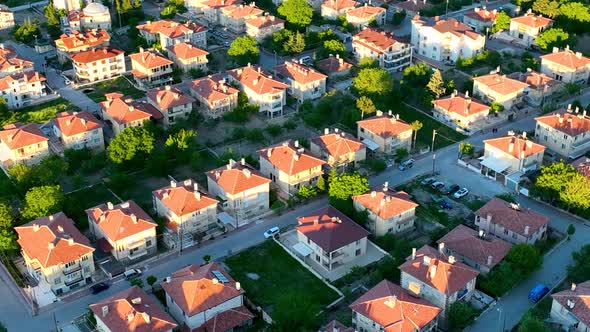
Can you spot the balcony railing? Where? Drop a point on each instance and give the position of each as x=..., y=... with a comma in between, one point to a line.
x=72, y=269
x=73, y=281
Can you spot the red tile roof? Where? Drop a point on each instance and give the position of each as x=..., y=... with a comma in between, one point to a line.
x=532, y=20
x=387, y=203
x=339, y=5
x=122, y=220
x=53, y=240
x=336, y=326
x=582, y=164
x=516, y=146
x=483, y=15
x=257, y=80
x=576, y=301
x=124, y=110
x=132, y=310
x=74, y=123
x=365, y=12
x=513, y=217
x=501, y=83
x=226, y=320
x=186, y=51
x=450, y=25
x=171, y=29
x=338, y=143
x=214, y=4
x=290, y=158
x=264, y=21
x=482, y=250
x=568, y=123
x=568, y=58
x=28, y=77
x=437, y=271
x=77, y=39
x=376, y=40
x=195, y=289
x=17, y=135
x=241, y=11
x=213, y=89
x=461, y=104
x=96, y=54
x=149, y=59
x=184, y=197
x=299, y=73
x=330, y=229
x=393, y=308
x=412, y=6
x=236, y=178
x=10, y=60
x=534, y=79
x=333, y=65
x=384, y=125
x=168, y=97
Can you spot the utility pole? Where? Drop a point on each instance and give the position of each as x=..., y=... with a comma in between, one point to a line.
x=432, y=149
x=447, y=11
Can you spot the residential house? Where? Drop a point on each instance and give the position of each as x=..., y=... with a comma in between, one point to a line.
x=234, y=17
x=335, y=326
x=334, y=239
x=437, y=278
x=445, y=40
x=460, y=111
x=362, y=16
x=480, y=19
x=212, y=10
x=261, y=89
x=332, y=9
x=168, y=33
x=385, y=133
x=410, y=7
x=171, y=102
x=334, y=66
x=206, y=297
x=540, y=86
x=305, y=83
x=188, y=57
x=12, y=62
x=564, y=132
x=94, y=16
x=150, y=68
x=388, y=307
x=20, y=143
x=6, y=18
x=77, y=41
x=571, y=308
x=56, y=253
x=22, y=89
x=582, y=165
x=123, y=112
x=510, y=154
x=78, y=130
x=129, y=311
x=98, y=63
x=124, y=230
x=68, y=5
x=290, y=166
x=511, y=222
x=479, y=250
x=499, y=88
x=338, y=149
x=389, y=211
x=214, y=96
x=528, y=27
x=390, y=52
x=566, y=66
x=191, y=213
x=263, y=26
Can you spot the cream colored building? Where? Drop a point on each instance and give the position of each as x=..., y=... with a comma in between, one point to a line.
x=338, y=149
x=290, y=166
x=305, y=83
x=174, y=104
x=565, y=132
x=570, y=309
x=332, y=9
x=499, y=88
x=123, y=230
x=77, y=41
x=78, y=130
x=55, y=253
x=362, y=16
x=214, y=96
x=168, y=33
x=243, y=190
x=68, y=5
x=480, y=19
x=566, y=66
x=94, y=16
x=99, y=64
x=263, y=26
x=460, y=111
x=150, y=68
x=6, y=18
x=123, y=112
x=385, y=133
x=511, y=154
x=13, y=63
x=234, y=17
x=187, y=56
x=541, y=87
x=212, y=10
x=20, y=143
x=392, y=54
x=528, y=27
x=22, y=89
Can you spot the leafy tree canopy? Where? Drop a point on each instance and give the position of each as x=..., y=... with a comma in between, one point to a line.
x=436, y=85
x=553, y=180
x=525, y=257
x=297, y=13
x=553, y=37
x=244, y=50
x=417, y=75
x=372, y=81
x=130, y=143
x=42, y=201
x=502, y=22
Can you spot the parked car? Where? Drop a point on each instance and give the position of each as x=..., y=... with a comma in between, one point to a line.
x=437, y=185
x=538, y=292
x=451, y=189
x=99, y=287
x=272, y=232
x=446, y=205
x=461, y=193
x=132, y=273
x=427, y=181
x=306, y=59
x=406, y=164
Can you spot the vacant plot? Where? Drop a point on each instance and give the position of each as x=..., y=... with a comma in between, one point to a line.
x=38, y=113
x=77, y=202
x=120, y=84
x=267, y=271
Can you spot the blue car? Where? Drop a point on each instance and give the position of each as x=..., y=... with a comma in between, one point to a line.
x=446, y=205
x=538, y=292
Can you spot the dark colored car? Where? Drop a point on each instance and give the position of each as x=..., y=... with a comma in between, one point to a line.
x=446, y=205
x=100, y=287
x=451, y=189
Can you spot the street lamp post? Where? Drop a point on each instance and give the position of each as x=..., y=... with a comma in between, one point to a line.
x=432, y=149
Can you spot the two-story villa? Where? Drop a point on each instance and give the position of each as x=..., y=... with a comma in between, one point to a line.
x=499, y=88
x=123, y=112
x=20, y=143
x=334, y=66
x=168, y=33
x=332, y=9
x=362, y=16
x=174, y=104
x=212, y=9
x=565, y=132
x=460, y=111
x=6, y=18
x=480, y=18
x=12, y=62
x=571, y=308
x=234, y=17
x=528, y=27
x=506, y=155
x=263, y=26
x=77, y=41
x=540, y=86
x=385, y=133
x=150, y=69
x=188, y=56
x=338, y=149
x=98, y=63
x=214, y=96
x=78, y=130
x=22, y=89
x=305, y=83
x=392, y=54
x=566, y=66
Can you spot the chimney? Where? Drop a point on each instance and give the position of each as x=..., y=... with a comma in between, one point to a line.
x=481, y=233
x=214, y=281
x=489, y=263
x=510, y=147
x=198, y=195
x=35, y=227
x=452, y=260
x=50, y=245
x=555, y=50
x=136, y=300
x=573, y=287
x=441, y=248
x=526, y=230
x=432, y=271
x=426, y=260
x=167, y=87
x=133, y=218
x=130, y=316
x=385, y=186
x=242, y=161
x=109, y=205
x=105, y=310
x=413, y=253
x=269, y=152
x=578, y=55
x=391, y=301
x=146, y=317
x=379, y=113
x=70, y=241
x=247, y=172
x=373, y=194
x=238, y=285
x=326, y=131
x=296, y=143
x=196, y=186
x=173, y=184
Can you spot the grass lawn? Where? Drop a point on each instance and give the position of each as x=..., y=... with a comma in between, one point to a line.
x=278, y=274
x=140, y=189
x=119, y=84
x=38, y=113
x=444, y=135
x=77, y=202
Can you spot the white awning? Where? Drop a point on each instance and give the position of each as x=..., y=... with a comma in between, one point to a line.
x=303, y=249
x=225, y=218
x=371, y=144
x=496, y=164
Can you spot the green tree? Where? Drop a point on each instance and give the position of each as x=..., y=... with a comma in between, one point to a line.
x=466, y=149
x=548, y=8
x=365, y=105
x=151, y=280
x=136, y=282
x=372, y=81
x=294, y=311
x=53, y=22
x=502, y=22
x=571, y=230
x=554, y=37
x=401, y=154
x=168, y=12
x=130, y=143
x=579, y=270
x=321, y=184
x=295, y=43
x=525, y=257
x=181, y=140
x=244, y=50
x=436, y=85
x=26, y=32
x=307, y=192
x=6, y=215
x=343, y=187
x=461, y=314
x=496, y=107
x=416, y=126
x=576, y=193
x=42, y=201
x=332, y=47
x=297, y=13
x=417, y=75
x=572, y=89
x=365, y=63
x=7, y=240
x=529, y=323
x=553, y=180
x=207, y=259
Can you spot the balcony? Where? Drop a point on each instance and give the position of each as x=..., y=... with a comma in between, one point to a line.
x=73, y=281
x=72, y=269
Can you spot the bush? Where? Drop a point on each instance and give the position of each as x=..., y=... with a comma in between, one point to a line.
x=507, y=197
x=274, y=130
x=376, y=165
x=461, y=314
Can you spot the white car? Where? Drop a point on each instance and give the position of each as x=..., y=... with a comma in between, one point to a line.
x=132, y=273
x=272, y=232
x=461, y=193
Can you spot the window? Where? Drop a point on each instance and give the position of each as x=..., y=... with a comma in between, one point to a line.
x=358, y=252
x=148, y=243
x=514, y=235
x=358, y=242
x=57, y=281
x=505, y=231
